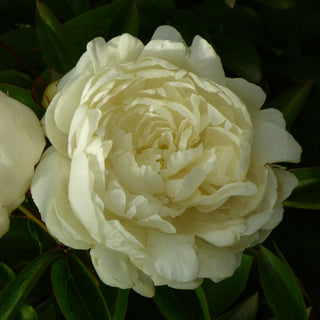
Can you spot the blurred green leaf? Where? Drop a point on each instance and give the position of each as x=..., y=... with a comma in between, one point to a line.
x=13, y=296
x=16, y=78
x=239, y=55
x=168, y=304
x=19, y=49
x=281, y=290
x=247, y=310
x=18, y=243
x=6, y=274
x=131, y=24
x=203, y=302
x=307, y=194
x=49, y=310
x=27, y=313
x=55, y=42
x=221, y=295
x=22, y=95
x=77, y=294
x=291, y=102
x=117, y=301
x=278, y=4
x=83, y=30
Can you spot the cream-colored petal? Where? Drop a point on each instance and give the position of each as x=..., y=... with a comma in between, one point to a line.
x=205, y=62
x=216, y=263
x=251, y=95
x=4, y=220
x=273, y=144
x=174, y=256
x=116, y=270
x=271, y=115
x=287, y=181
x=167, y=33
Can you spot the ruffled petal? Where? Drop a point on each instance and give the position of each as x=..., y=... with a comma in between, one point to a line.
x=115, y=269
x=167, y=33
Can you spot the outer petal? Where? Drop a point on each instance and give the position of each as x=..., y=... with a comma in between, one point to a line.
x=273, y=144
x=205, y=62
x=4, y=221
x=216, y=263
x=167, y=33
x=251, y=95
x=115, y=269
x=174, y=255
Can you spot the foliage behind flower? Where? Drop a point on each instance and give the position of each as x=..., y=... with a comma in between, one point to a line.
x=21, y=144
x=160, y=164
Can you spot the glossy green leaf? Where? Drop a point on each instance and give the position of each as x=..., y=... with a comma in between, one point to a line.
x=27, y=312
x=307, y=194
x=280, y=255
x=221, y=295
x=16, y=78
x=168, y=304
x=83, y=30
x=117, y=301
x=77, y=294
x=13, y=296
x=278, y=4
x=281, y=290
x=6, y=275
x=291, y=102
x=204, y=303
x=247, y=310
x=22, y=95
x=55, y=42
x=238, y=55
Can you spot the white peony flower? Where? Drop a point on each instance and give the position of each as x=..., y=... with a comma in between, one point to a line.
x=21, y=144
x=160, y=164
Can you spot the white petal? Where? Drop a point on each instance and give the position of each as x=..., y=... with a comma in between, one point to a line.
x=81, y=195
x=251, y=95
x=115, y=269
x=205, y=62
x=216, y=263
x=167, y=33
x=273, y=144
x=286, y=183
x=4, y=221
x=271, y=115
x=174, y=255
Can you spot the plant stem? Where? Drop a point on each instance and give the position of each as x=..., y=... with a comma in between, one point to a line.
x=30, y=215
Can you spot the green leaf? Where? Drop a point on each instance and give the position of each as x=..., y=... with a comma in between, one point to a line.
x=307, y=194
x=281, y=290
x=6, y=275
x=83, y=30
x=49, y=310
x=239, y=55
x=19, y=50
x=13, y=296
x=131, y=23
x=168, y=304
x=77, y=294
x=117, y=301
x=203, y=302
x=55, y=42
x=223, y=294
x=291, y=102
x=22, y=95
x=247, y=310
x=27, y=313
x=278, y=4
x=285, y=262
x=16, y=78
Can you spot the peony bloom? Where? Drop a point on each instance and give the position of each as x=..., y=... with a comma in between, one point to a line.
x=21, y=144
x=161, y=165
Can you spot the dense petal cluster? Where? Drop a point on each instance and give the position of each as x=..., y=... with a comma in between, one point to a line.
x=160, y=164
x=21, y=144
